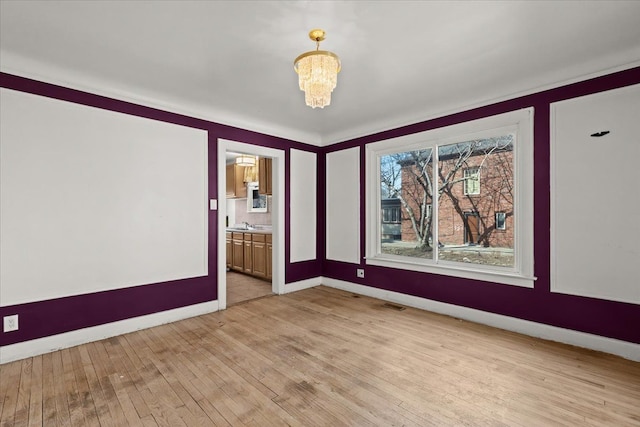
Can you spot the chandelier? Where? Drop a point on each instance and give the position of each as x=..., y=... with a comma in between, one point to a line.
x=317, y=72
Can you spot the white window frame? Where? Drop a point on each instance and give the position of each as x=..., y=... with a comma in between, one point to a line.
x=470, y=176
x=521, y=123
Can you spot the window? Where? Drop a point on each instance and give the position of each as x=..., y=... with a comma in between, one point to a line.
x=472, y=181
x=391, y=220
x=429, y=177
x=501, y=221
x=391, y=214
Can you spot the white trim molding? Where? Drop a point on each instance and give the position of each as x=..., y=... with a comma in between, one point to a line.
x=553, y=333
x=576, y=174
x=277, y=214
x=301, y=285
x=520, y=123
x=52, y=343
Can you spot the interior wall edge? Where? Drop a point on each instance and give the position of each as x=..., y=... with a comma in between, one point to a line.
x=76, y=337
x=302, y=270
x=620, y=348
x=302, y=284
x=189, y=112
x=560, y=92
x=51, y=317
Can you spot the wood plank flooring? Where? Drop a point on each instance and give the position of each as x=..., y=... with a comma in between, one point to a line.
x=242, y=287
x=321, y=357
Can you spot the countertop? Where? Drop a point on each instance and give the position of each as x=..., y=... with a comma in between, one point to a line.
x=255, y=231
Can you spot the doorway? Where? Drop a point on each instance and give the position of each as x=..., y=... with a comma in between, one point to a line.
x=243, y=281
x=471, y=227
x=249, y=229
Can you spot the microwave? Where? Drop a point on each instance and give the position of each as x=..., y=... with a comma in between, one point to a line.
x=256, y=202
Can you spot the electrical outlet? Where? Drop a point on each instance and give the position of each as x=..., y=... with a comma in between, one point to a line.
x=360, y=273
x=10, y=323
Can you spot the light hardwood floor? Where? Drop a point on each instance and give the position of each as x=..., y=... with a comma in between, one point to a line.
x=242, y=287
x=321, y=357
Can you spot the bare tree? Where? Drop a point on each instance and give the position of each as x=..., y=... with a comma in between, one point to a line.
x=414, y=189
x=497, y=181
x=389, y=176
x=414, y=185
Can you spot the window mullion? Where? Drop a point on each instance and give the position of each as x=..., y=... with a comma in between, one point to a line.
x=435, y=196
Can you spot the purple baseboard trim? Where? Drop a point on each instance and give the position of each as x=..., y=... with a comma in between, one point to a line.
x=605, y=318
x=55, y=316
x=303, y=270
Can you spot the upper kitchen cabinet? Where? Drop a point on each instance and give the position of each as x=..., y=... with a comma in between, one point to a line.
x=264, y=176
x=235, y=182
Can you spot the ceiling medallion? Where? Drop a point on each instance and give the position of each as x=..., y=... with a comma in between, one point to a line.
x=317, y=72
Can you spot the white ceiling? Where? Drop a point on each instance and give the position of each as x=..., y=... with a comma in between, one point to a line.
x=232, y=61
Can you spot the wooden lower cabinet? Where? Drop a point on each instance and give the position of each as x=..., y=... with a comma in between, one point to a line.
x=269, y=255
x=237, y=242
x=229, y=250
x=250, y=253
x=259, y=251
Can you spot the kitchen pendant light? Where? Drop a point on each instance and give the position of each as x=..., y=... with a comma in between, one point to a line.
x=245, y=160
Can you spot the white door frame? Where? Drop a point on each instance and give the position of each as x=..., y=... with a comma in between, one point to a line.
x=277, y=214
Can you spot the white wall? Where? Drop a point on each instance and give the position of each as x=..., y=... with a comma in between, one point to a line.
x=595, y=230
x=303, y=205
x=343, y=205
x=94, y=200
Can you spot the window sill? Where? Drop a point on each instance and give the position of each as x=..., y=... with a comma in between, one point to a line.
x=463, y=271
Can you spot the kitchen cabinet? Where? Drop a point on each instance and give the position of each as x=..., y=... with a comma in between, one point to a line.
x=264, y=175
x=269, y=255
x=259, y=252
x=237, y=258
x=236, y=187
x=229, y=250
x=248, y=253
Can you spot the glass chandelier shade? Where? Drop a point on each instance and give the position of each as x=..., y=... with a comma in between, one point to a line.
x=317, y=72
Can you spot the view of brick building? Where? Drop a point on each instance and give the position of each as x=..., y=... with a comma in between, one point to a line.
x=475, y=182
x=479, y=209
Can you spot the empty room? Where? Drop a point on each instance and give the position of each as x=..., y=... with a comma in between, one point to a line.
x=319, y=213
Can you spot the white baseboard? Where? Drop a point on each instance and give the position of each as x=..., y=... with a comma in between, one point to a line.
x=44, y=345
x=302, y=284
x=70, y=339
x=581, y=339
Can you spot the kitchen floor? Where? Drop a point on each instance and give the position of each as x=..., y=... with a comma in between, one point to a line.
x=241, y=288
